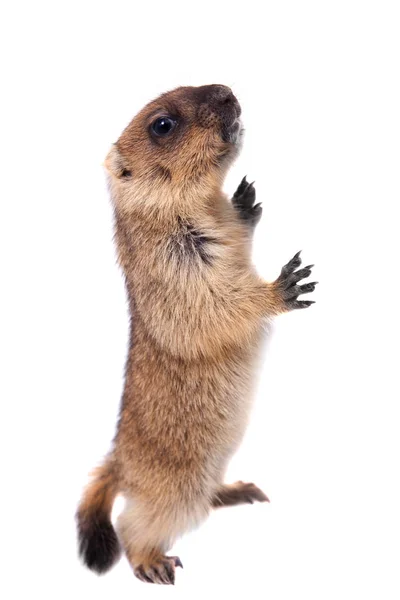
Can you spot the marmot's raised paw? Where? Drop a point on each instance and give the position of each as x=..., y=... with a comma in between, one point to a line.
x=287, y=284
x=243, y=200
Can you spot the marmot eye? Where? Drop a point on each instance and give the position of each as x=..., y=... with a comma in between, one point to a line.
x=163, y=126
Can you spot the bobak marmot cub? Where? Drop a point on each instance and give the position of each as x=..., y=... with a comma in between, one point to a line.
x=197, y=312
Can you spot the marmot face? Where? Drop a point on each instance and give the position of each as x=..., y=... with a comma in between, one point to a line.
x=184, y=138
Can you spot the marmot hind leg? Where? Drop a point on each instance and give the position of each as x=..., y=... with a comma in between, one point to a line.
x=238, y=493
x=148, y=531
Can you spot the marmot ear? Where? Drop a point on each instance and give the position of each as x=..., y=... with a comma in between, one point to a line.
x=116, y=165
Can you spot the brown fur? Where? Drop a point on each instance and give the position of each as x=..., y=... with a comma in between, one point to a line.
x=197, y=312
x=100, y=493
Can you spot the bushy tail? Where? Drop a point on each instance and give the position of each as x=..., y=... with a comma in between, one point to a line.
x=99, y=547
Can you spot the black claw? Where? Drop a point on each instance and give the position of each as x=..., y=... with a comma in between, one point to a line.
x=170, y=573
x=241, y=187
x=164, y=575
x=140, y=574
x=243, y=201
x=290, y=266
x=178, y=562
x=289, y=279
x=244, y=196
x=249, y=199
x=296, y=260
x=301, y=303
x=307, y=287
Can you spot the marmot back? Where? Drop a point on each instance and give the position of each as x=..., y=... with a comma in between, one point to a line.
x=197, y=313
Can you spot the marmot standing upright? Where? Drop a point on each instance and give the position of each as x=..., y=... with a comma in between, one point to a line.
x=197, y=311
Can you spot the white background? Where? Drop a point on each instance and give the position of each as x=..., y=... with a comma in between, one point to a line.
x=319, y=87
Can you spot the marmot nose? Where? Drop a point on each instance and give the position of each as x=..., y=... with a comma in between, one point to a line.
x=221, y=96
x=220, y=93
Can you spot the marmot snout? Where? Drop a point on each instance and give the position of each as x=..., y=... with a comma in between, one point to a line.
x=197, y=312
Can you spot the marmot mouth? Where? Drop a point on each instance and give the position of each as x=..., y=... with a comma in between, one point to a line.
x=220, y=109
x=232, y=133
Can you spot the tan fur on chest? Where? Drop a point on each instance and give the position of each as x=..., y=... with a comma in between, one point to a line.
x=190, y=415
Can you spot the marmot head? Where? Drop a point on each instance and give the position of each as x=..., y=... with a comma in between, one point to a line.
x=178, y=146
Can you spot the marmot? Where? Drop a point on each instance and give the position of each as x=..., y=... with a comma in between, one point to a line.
x=197, y=311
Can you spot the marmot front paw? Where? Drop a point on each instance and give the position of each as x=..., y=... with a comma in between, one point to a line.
x=243, y=200
x=287, y=284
